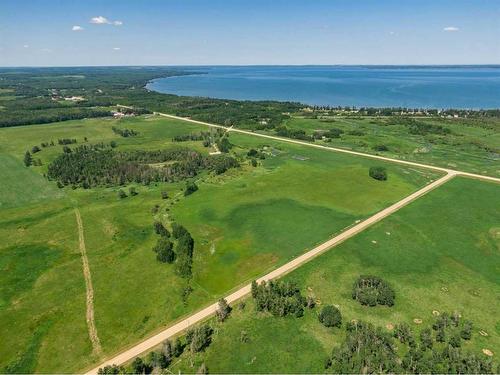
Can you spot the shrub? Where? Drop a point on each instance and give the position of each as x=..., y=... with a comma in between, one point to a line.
x=160, y=229
x=381, y=148
x=330, y=316
x=191, y=187
x=122, y=194
x=378, y=173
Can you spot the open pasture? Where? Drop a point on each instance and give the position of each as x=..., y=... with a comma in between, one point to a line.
x=244, y=222
x=440, y=254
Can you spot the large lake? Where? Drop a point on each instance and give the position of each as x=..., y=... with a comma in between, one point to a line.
x=434, y=87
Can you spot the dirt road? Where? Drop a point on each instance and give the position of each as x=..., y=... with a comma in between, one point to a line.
x=286, y=268
x=303, y=143
x=96, y=344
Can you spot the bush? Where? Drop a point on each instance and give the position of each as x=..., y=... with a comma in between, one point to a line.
x=132, y=191
x=160, y=229
x=372, y=291
x=378, y=173
x=122, y=194
x=330, y=316
x=191, y=187
x=381, y=148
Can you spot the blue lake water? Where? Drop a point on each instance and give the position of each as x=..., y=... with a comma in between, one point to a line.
x=422, y=87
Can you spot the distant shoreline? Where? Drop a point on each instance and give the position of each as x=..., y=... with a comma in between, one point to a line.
x=410, y=86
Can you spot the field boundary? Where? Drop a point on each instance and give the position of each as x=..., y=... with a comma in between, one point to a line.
x=96, y=344
x=207, y=312
x=334, y=149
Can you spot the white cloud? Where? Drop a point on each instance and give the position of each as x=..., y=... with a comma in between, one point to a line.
x=116, y=48
x=100, y=20
x=26, y=46
x=451, y=28
x=77, y=28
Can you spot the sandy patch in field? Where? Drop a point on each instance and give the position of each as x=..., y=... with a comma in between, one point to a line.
x=417, y=321
x=389, y=326
x=488, y=352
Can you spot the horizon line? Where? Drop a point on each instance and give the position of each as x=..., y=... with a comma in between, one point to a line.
x=247, y=65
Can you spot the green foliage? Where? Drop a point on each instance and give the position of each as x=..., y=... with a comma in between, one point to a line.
x=378, y=173
x=122, y=194
x=98, y=165
x=381, y=147
x=191, y=187
x=199, y=338
x=28, y=160
x=160, y=229
x=111, y=370
x=223, y=310
x=279, y=298
x=133, y=191
x=283, y=131
x=124, y=132
x=368, y=349
x=372, y=291
x=330, y=316
x=163, y=249
x=224, y=145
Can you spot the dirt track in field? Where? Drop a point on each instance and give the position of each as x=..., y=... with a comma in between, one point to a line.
x=96, y=344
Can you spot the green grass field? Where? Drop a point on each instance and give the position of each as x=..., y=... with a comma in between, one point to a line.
x=244, y=223
x=442, y=252
x=473, y=145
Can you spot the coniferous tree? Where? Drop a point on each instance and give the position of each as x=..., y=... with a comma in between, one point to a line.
x=28, y=160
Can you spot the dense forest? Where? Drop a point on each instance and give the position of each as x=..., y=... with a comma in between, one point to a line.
x=41, y=95
x=100, y=165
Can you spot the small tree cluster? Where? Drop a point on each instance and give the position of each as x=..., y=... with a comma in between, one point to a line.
x=378, y=173
x=330, y=316
x=163, y=250
x=199, y=338
x=223, y=310
x=372, y=291
x=370, y=349
x=279, y=298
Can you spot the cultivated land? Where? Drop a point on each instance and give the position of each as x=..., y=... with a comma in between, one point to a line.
x=240, y=222
x=433, y=267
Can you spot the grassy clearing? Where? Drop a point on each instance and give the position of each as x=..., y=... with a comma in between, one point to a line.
x=243, y=223
x=439, y=253
x=21, y=185
x=473, y=144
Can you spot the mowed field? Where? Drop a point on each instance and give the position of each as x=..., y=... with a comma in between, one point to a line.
x=442, y=253
x=244, y=223
x=472, y=145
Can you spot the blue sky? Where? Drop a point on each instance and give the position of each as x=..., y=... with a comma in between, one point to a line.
x=203, y=32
